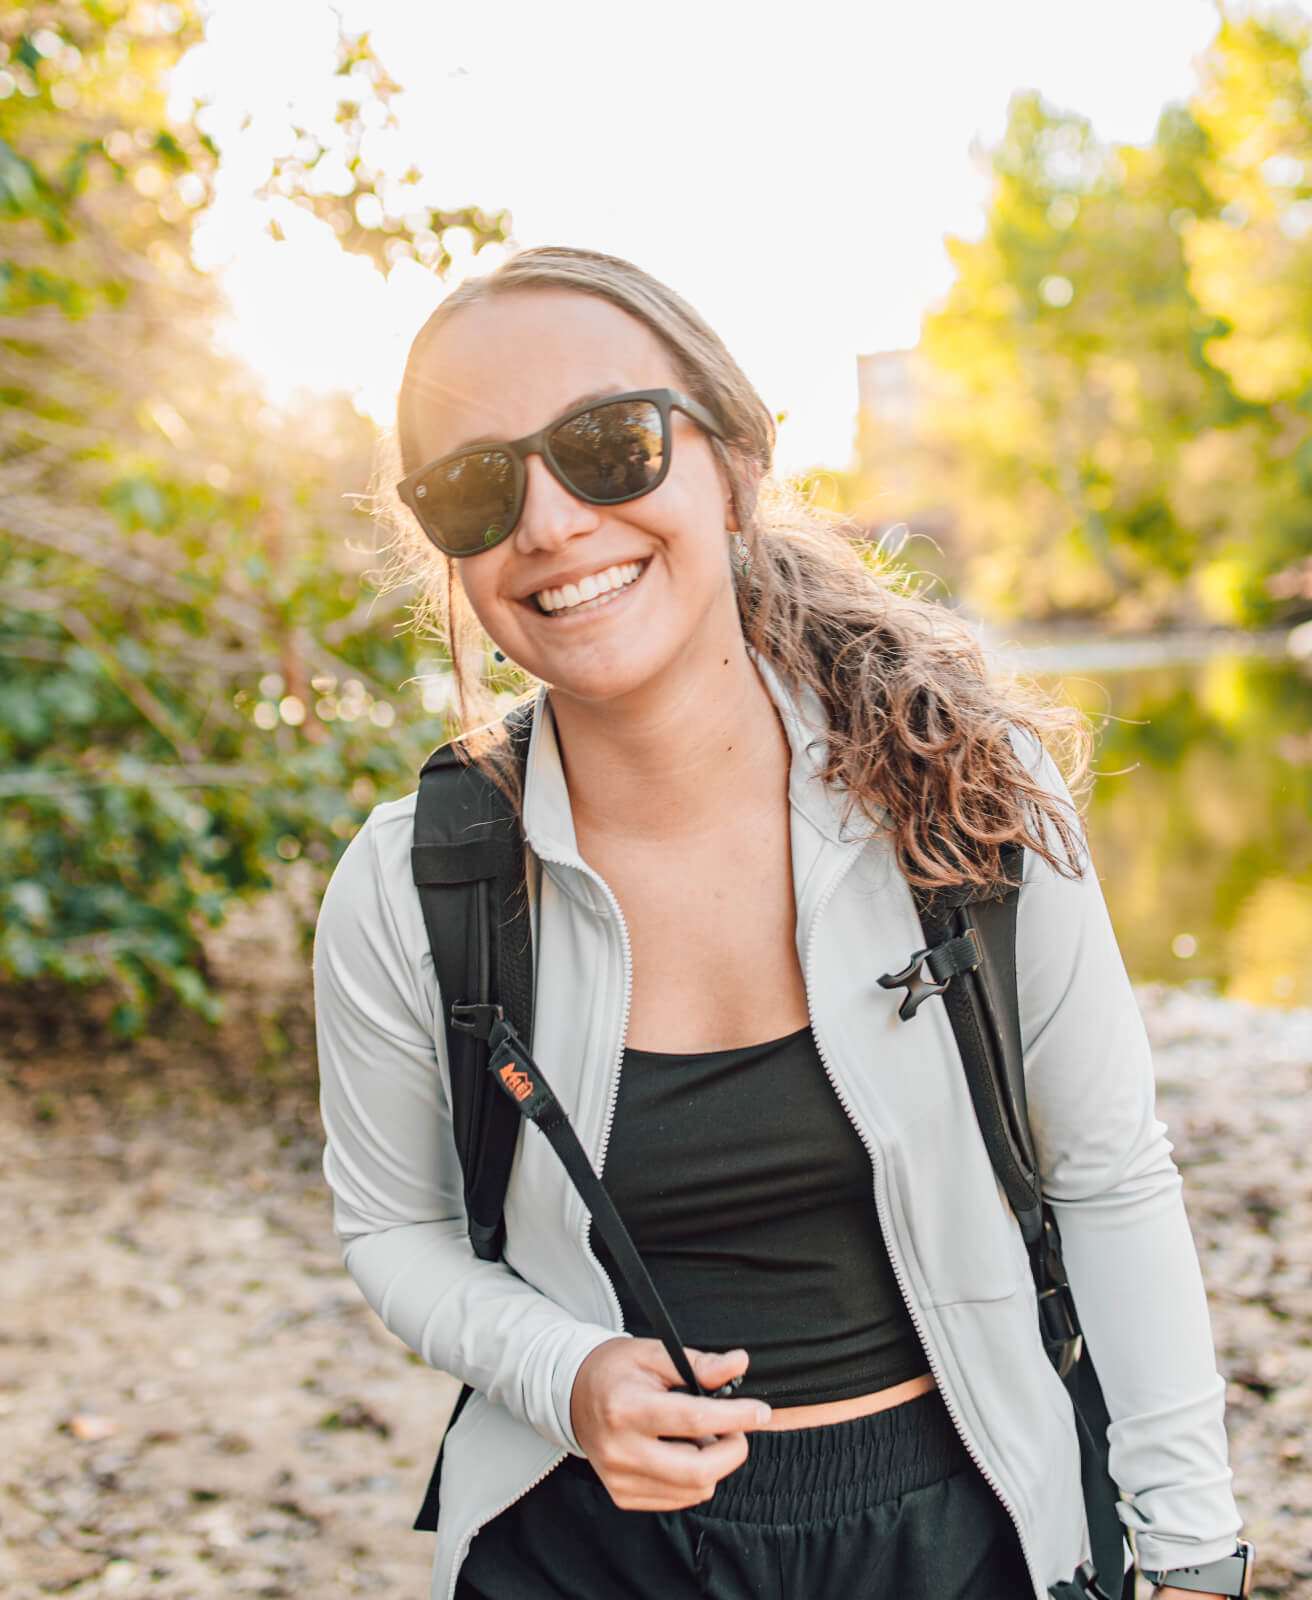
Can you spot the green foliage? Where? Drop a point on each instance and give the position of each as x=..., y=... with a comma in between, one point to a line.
x=374, y=213
x=1115, y=413
x=199, y=686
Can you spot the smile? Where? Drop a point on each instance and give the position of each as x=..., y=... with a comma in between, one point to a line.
x=595, y=590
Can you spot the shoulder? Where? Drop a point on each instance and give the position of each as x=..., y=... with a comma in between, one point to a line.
x=1039, y=767
x=371, y=923
x=377, y=860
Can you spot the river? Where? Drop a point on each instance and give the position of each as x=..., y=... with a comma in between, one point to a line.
x=1201, y=813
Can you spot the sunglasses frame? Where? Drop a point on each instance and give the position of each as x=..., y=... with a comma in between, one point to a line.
x=519, y=450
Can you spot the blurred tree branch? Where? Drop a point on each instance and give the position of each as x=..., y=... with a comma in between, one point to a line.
x=199, y=685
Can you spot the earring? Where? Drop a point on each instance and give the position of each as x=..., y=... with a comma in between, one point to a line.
x=742, y=554
x=498, y=656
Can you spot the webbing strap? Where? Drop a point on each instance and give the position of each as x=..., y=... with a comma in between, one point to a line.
x=521, y=1080
x=1106, y=1532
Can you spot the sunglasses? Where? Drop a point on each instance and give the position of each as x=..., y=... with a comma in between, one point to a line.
x=604, y=453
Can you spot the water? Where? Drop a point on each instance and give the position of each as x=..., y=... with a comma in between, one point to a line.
x=1201, y=817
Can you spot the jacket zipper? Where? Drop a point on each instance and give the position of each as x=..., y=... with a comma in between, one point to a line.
x=463, y=1551
x=894, y=1261
x=613, y=1097
x=627, y=955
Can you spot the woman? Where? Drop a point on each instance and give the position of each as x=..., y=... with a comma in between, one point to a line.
x=745, y=747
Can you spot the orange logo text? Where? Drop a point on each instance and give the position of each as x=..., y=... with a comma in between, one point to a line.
x=519, y=1083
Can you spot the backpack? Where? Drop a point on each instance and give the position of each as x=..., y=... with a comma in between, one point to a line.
x=469, y=868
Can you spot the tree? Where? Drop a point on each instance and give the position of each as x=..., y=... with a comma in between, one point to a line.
x=195, y=671
x=1251, y=268
x=1099, y=414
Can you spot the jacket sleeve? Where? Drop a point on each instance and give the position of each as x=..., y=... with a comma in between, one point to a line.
x=391, y=1162
x=1110, y=1178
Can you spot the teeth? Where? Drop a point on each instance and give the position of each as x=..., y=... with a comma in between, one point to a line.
x=594, y=587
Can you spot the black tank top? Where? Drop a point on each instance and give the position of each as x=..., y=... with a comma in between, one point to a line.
x=750, y=1197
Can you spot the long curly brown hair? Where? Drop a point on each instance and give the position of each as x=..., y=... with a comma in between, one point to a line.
x=920, y=732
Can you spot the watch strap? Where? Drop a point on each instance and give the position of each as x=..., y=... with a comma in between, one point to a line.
x=1231, y=1575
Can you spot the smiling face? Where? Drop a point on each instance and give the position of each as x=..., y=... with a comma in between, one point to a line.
x=600, y=602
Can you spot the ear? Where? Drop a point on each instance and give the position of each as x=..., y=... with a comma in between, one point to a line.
x=741, y=477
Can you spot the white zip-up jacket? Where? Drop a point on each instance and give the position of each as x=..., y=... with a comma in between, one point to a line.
x=518, y=1330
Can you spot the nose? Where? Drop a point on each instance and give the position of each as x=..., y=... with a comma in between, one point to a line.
x=551, y=515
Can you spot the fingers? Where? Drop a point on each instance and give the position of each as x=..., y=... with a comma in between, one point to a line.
x=688, y=1416
x=715, y=1371
x=654, y=1448
x=671, y=1474
x=675, y=1414
x=627, y=1410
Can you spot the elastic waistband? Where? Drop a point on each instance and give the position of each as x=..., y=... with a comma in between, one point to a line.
x=806, y=1475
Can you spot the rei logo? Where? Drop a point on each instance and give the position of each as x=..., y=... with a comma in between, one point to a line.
x=519, y=1083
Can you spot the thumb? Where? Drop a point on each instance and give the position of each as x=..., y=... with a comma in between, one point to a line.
x=713, y=1371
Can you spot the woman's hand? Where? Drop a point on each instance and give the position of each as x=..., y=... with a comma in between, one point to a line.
x=1184, y=1594
x=642, y=1439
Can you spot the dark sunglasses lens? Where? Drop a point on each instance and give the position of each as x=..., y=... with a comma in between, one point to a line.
x=468, y=504
x=610, y=452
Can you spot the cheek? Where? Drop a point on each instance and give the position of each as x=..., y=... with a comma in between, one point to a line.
x=478, y=577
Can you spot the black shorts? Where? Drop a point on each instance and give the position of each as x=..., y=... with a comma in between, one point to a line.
x=886, y=1507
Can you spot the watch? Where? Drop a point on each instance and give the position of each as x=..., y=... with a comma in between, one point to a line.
x=1231, y=1575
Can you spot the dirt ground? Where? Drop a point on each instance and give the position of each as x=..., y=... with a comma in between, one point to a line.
x=195, y=1401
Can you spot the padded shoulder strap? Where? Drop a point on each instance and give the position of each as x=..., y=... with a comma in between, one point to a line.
x=468, y=864
x=972, y=958
x=983, y=1009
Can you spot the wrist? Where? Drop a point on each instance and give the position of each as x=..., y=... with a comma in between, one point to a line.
x=1226, y=1578
x=585, y=1340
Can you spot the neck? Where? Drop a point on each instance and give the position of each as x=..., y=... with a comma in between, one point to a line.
x=676, y=758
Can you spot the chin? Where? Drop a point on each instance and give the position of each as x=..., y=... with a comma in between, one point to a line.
x=596, y=682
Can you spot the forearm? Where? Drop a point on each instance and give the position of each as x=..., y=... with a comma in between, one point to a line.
x=391, y=1160
x=1135, y=1276
x=476, y=1320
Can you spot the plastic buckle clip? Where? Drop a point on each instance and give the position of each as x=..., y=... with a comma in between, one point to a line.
x=1087, y=1579
x=945, y=962
x=1058, y=1318
x=470, y=1017
x=1062, y=1338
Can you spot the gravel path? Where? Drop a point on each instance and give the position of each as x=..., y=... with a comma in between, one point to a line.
x=195, y=1401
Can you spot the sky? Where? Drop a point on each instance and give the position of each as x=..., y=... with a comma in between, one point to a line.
x=790, y=168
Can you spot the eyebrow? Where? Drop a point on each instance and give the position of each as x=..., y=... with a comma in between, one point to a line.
x=579, y=400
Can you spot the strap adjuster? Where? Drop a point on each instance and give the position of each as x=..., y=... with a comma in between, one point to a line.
x=1086, y=1578
x=470, y=1017
x=1059, y=1322
x=945, y=962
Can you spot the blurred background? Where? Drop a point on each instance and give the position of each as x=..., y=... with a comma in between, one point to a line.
x=1031, y=286
x=1090, y=420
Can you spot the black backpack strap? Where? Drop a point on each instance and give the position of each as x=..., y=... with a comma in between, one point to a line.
x=525, y=1088
x=468, y=864
x=970, y=956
